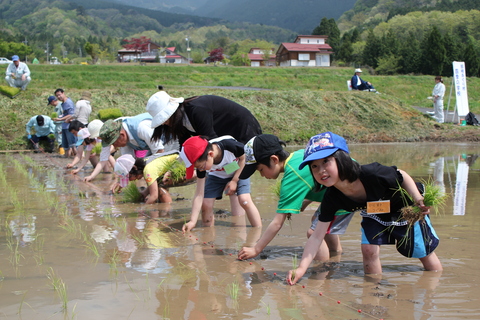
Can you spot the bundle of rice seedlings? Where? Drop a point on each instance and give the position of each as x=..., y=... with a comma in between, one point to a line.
x=434, y=197
x=10, y=92
x=54, y=115
x=97, y=149
x=175, y=171
x=131, y=193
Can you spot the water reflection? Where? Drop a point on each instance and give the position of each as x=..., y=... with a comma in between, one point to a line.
x=146, y=268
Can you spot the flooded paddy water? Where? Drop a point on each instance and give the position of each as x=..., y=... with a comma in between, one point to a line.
x=71, y=250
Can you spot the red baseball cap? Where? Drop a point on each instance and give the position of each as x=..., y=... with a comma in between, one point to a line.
x=192, y=149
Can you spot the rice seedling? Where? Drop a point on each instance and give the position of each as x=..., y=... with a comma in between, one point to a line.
x=59, y=286
x=131, y=193
x=13, y=244
x=294, y=265
x=267, y=306
x=37, y=247
x=21, y=304
x=113, y=260
x=433, y=197
x=233, y=289
x=91, y=245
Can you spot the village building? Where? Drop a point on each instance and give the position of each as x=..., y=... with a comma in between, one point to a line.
x=258, y=58
x=153, y=53
x=305, y=51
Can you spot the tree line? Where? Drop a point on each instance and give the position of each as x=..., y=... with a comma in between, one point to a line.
x=416, y=43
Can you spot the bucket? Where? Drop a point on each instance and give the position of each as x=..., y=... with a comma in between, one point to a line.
x=464, y=123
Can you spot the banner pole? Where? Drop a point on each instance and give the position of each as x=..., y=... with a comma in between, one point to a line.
x=449, y=98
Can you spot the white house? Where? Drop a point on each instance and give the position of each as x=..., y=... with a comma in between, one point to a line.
x=305, y=51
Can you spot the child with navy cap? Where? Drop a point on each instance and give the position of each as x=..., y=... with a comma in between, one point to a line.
x=356, y=187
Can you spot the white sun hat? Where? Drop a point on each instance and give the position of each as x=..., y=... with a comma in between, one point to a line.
x=161, y=107
x=358, y=70
x=94, y=128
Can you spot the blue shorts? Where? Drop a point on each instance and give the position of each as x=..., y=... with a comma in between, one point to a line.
x=417, y=241
x=339, y=223
x=214, y=186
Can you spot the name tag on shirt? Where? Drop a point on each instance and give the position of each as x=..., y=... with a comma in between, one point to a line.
x=231, y=167
x=375, y=207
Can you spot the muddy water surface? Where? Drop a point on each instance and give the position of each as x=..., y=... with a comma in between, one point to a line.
x=71, y=250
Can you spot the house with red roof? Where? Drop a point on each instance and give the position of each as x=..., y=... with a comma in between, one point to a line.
x=153, y=53
x=305, y=51
x=258, y=58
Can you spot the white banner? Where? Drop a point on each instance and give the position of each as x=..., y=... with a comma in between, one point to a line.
x=460, y=77
x=460, y=199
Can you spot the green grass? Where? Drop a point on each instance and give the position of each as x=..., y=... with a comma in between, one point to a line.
x=300, y=102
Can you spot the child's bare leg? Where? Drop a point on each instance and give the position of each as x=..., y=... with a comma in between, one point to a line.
x=208, y=218
x=333, y=243
x=371, y=258
x=164, y=196
x=237, y=210
x=431, y=262
x=251, y=210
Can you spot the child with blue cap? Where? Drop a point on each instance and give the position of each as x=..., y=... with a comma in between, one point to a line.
x=354, y=187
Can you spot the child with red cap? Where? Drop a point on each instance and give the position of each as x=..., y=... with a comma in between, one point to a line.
x=224, y=159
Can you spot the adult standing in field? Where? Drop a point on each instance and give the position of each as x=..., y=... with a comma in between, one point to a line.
x=360, y=84
x=53, y=101
x=208, y=115
x=18, y=74
x=83, y=108
x=68, y=107
x=43, y=126
x=437, y=95
x=128, y=134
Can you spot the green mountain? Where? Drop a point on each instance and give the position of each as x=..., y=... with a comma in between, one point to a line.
x=301, y=16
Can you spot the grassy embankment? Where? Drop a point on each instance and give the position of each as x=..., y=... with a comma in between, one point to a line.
x=300, y=102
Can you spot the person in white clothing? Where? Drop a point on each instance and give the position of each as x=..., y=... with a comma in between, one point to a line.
x=437, y=95
x=18, y=74
x=83, y=108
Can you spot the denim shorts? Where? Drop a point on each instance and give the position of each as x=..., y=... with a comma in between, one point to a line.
x=214, y=187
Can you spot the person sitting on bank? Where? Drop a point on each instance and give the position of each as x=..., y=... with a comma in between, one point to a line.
x=44, y=127
x=18, y=74
x=360, y=84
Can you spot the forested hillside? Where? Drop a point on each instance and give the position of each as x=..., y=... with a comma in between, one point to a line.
x=300, y=16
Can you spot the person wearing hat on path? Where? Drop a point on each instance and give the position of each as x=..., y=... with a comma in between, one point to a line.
x=208, y=115
x=53, y=101
x=83, y=108
x=373, y=190
x=224, y=159
x=265, y=154
x=18, y=74
x=360, y=84
x=128, y=134
x=89, y=138
x=44, y=127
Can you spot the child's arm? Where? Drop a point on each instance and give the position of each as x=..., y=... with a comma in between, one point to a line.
x=311, y=249
x=77, y=157
x=83, y=162
x=196, y=205
x=409, y=185
x=231, y=186
x=267, y=236
x=98, y=168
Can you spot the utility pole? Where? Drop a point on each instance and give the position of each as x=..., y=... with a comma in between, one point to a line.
x=188, y=49
x=47, y=52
